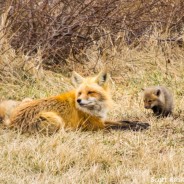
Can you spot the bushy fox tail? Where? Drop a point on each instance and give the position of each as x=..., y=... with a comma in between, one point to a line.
x=126, y=125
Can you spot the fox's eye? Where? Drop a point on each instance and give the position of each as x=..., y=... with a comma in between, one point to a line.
x=90, y=92
x=149, y=101
x=79, y=93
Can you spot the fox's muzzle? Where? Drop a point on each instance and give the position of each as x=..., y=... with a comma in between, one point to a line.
x=81, y=102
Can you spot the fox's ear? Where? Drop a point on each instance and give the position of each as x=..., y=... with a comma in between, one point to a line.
x=158, y=92
x=102, y=78
x=76, y=79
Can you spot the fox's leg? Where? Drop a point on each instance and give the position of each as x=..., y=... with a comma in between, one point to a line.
x=47, y=122
x=123, y=125
x=158, y=111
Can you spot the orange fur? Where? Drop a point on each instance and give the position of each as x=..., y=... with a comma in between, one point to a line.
x=63, y=110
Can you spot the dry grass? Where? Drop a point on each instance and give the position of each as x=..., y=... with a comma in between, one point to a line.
x=102, y=157
x=98, y=157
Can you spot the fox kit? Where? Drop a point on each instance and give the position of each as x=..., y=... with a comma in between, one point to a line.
x=6, y=108
x=84, y=107
x=159, y=99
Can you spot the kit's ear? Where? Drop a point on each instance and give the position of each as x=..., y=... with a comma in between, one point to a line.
x=76, y=79
x=158, y=92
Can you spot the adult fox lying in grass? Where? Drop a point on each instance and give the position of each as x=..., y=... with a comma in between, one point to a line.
x=84, y=107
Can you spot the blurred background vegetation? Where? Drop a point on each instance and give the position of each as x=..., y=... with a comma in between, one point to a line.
x=61, y=32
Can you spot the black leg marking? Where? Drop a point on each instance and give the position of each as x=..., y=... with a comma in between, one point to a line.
x=131, y=125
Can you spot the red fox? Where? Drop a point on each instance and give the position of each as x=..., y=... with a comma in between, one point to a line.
x=159, y=99
x=84, y=107
x=7, y=107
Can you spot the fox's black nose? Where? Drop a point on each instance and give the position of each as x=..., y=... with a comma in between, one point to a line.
x=79, y=100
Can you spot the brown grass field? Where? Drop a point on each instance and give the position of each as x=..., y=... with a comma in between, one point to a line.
x=155, y=155
x=117, y=156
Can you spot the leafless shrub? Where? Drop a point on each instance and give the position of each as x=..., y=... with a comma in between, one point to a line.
x=62, y=27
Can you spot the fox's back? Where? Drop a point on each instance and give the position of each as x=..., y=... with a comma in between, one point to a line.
x=168, y=98
x=25, y=114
